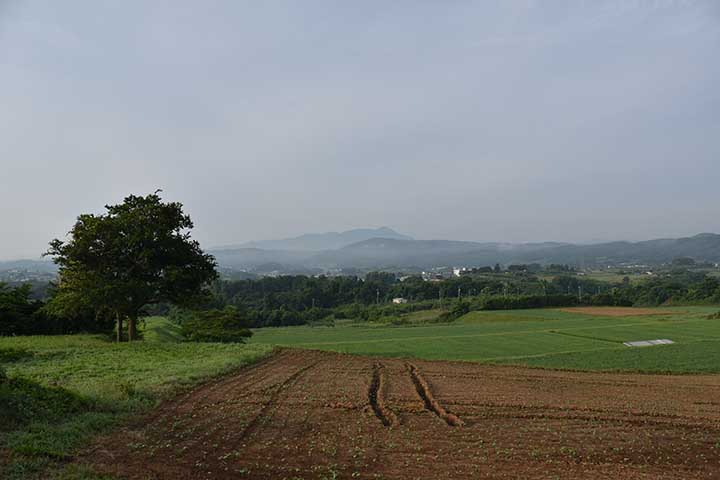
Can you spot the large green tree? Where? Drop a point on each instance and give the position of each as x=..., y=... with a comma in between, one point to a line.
x=137, y=253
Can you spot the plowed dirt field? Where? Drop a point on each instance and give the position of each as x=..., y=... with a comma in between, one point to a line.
x=306, y=414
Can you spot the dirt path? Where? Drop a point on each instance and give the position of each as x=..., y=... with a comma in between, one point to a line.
x=315, y=415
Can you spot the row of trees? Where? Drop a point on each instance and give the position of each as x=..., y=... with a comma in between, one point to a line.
x=302, y=292
x=17, y=311
x=21, y=315
x=294, y=300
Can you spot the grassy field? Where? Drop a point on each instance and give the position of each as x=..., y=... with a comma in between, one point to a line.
x=65, y=389
x=544, y=338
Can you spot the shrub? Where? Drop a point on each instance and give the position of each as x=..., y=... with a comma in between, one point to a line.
x=529, y=301
x=222, y=326
x=328, y=321
x=398, y=321
x=17, y=311
x=457, y=311
x=179, y=315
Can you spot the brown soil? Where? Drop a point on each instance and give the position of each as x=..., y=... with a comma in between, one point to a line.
x=615, y=311
x=314, y=415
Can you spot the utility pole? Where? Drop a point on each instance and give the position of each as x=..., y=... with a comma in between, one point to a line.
x=377, y=296
x=313, y=303
x=580, y=292
x=458, y=293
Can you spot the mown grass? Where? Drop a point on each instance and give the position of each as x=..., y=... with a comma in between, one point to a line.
x=543, y=337
x=63, y=390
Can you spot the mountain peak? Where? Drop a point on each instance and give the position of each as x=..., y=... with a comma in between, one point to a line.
x=310, y=242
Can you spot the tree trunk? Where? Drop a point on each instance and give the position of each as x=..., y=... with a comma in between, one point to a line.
x=132, y=328
x=119, y=327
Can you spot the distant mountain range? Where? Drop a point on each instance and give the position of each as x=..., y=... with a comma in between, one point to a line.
x=397, y=251
x=315, y=242
x=384, y=248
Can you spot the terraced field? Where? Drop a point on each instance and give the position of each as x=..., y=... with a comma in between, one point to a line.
x=311, y=414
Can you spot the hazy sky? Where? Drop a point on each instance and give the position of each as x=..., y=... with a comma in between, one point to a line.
x=474, y=120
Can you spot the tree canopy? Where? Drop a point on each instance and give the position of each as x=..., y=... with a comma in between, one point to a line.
x=16, y=309
x=139, y=252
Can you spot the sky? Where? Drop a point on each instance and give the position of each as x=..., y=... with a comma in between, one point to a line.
x=469, y=120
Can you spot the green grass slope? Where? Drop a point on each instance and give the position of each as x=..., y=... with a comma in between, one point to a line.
x=62, y=390
x=543, y=337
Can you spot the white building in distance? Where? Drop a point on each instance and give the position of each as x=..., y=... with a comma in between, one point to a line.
x=459, y=271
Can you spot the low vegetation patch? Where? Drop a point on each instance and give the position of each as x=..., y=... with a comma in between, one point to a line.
x=224, y=326
x=60, y=391
x=22, y=400
x=13, y=354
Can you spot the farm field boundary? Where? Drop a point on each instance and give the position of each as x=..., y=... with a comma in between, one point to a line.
x=510, y=422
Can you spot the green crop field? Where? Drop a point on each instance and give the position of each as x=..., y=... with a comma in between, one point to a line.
x=543, y=338
x=65, y=389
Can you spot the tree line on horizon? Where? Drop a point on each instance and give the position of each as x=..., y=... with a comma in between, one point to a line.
x=298, y=300
x=139, y=258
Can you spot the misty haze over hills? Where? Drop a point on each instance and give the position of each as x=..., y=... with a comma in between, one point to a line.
x=384, y=248
x=396, y=251
x=323, y=241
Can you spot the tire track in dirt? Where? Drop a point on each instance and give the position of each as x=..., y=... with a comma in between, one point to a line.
x=376, y=397
x=208, y=399
x=275, y=397
x=215, y=391
x=431, y=404
x=308, y=415
x=185, y=406
x=232, y=389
